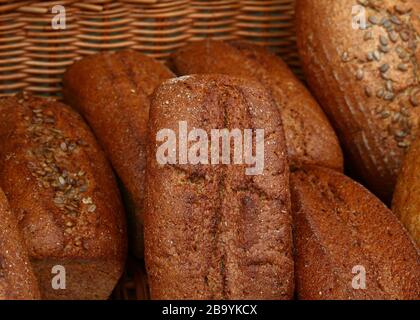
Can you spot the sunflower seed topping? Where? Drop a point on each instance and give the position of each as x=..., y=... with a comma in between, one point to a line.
x=403, y=144
x=396, y=20
x=49, y=160
x=384, y=68
x=405, y=36
x=368, y=36
x=345, y=57
x=360, y=74
x=393, y=36
x=402, y=67
x=414, y=98
x=383, y=40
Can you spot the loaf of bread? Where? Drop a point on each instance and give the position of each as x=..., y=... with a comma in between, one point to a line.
x=366, y=77
x=214, y=231
x=309, y=136
x=64, y=194
x=348, y=245
x=17, y=280
x=406, y=200
x=111, y=90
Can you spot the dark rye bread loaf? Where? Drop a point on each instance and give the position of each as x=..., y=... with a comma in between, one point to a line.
x=211, y=231
x=17, y=280
x=63, y=192
x=340, y=227
x=406, y=199
x=111, y=90
x=309, y=137
x=367, y=81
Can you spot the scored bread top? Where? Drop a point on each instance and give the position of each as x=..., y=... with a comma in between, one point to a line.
x=212, y=232
x=111, y=91
x=341, y=230
x=310, y=138
x=58, y=182
x=367, y=80
x=17, y=280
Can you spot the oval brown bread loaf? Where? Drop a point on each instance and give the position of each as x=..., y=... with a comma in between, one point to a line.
x=64, y=194
x=406, y=200
x=366, y=78
x=111, y=90
x=211, y=230
x=348, y=245
x=17, y=280
x=309, y=137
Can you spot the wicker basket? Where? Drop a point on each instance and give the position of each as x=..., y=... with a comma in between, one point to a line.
x=33, y=55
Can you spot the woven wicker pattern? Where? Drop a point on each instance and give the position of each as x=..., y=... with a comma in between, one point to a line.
x=33, y=56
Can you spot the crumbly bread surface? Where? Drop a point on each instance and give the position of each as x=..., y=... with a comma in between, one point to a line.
x=340, y=228
x=212, y=232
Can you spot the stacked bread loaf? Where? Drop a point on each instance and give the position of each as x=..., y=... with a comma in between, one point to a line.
x=112, y=92
x=64, y=195
x=364, y=71
x=211, y=230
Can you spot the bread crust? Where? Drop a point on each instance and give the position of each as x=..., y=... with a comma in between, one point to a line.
x=64, y=194
x=17, y=280
x=367, y=81
x=406, y=199
x=340, y=227
x=111, y=90
x=309, y=136
x=212, y=232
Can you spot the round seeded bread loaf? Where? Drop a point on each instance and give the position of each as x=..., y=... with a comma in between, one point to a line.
x=366, y=78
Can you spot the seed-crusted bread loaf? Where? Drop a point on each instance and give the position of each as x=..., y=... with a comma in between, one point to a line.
x=211, y=231
x=406, y=200
x=366, y=80
x=309, y=137
x=342, y=233
x=64, y=194
x=111, y=90
x=17, y=280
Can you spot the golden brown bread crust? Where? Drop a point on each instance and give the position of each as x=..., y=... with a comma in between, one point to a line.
x=367, y=81
x=406, y=200
x=338, y=225
x=17, y=280
x=212, y=232
x=111, y=90
x=309, y=136
x=63, y=191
